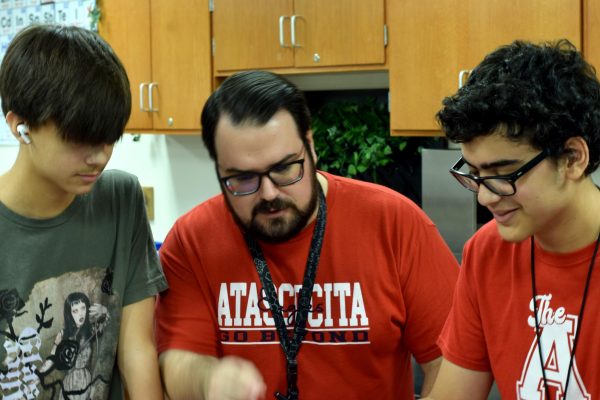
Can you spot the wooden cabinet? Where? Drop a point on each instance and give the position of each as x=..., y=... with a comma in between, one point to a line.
x=431, y=42
x=591, y=32
x=165, y=48
x=247, y=34
x=275, y=34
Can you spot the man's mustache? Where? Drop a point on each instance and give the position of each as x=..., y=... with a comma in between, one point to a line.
x=270, y=206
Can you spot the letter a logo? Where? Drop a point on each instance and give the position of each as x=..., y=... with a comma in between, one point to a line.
x=557, y=344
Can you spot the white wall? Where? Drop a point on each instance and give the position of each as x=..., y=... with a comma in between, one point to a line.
x=8, y=155
x=178, y=167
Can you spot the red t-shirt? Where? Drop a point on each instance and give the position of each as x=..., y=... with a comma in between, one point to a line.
x=491, y=324
x=383, y=290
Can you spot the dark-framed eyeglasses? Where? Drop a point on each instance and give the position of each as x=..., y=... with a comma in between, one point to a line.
x=502, y=185
x=245, y=183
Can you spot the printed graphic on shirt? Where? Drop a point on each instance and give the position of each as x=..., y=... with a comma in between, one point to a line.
x=557, y=332
x=337, y=315
x=57, y=340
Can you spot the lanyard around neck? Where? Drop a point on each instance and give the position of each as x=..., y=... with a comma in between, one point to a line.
x=291, y=346
x=579, y=320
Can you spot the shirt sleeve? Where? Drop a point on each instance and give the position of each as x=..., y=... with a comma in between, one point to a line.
x=462, y=340
x=179, y=325
x=428, y=276
x=145, y=277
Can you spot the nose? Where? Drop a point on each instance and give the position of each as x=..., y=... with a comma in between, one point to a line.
x=268, y=190
x=99, y=155
x=486, y=197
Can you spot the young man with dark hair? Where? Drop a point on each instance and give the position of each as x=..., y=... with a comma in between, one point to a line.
x=72, y=234
x=528, y=123
x=293, y=280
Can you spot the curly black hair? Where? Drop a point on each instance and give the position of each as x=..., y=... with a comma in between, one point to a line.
x=541, y=94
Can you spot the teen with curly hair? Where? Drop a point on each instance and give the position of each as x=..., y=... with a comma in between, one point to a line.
x=528, y=124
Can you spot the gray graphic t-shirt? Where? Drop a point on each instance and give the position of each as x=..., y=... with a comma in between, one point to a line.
x=63, y=284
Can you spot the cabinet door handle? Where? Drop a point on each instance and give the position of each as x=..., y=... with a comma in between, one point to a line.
x=461, y=77
x=282, y=18
x=293, y=30
x=142, y=85
x=150, y=102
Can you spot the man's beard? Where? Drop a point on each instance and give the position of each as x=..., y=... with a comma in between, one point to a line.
x=280, y=229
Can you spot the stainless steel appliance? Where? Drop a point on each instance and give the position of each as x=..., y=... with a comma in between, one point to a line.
x=452, y=208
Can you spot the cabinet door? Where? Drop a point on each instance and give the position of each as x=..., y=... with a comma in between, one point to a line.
x=499, y=22
x=248, y=34
x=181, y=65
x=126, y=26
x=341, y=32
x=423, y=54
x=431, y=42
x=591, y=32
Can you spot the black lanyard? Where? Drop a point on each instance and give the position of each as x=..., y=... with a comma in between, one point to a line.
x=292, y=346
x=578, y=327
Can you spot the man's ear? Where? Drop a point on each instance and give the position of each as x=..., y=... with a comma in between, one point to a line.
x=577, y=154
x=13, y=121
x=311, y=144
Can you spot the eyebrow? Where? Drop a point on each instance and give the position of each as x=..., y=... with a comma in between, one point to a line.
x=493, y=164
x=288, y=158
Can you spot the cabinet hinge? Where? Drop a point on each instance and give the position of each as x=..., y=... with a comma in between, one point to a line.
x=385, y=35
x=211, y=5
x=213, y=46
x=389, y=102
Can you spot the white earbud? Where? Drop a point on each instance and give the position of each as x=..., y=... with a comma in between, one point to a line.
x=23, y=132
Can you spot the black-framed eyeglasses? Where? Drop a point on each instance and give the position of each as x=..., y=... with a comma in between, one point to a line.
x=284, y=174
x=502, y=185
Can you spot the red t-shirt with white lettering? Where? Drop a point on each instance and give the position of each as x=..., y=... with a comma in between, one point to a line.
x=382, y=292
x=491, y=324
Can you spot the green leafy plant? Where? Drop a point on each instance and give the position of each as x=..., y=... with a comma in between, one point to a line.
x=354, y=138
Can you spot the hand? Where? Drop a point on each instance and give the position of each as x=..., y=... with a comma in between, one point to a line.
x=98, y=310
x=234, y=378
x=99, y=317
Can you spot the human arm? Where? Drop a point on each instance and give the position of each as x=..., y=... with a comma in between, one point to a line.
x=136, y=354
x=189, y=375
x=454, y=382
x=191, y=359
x=49, y=361
x=430, y=371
